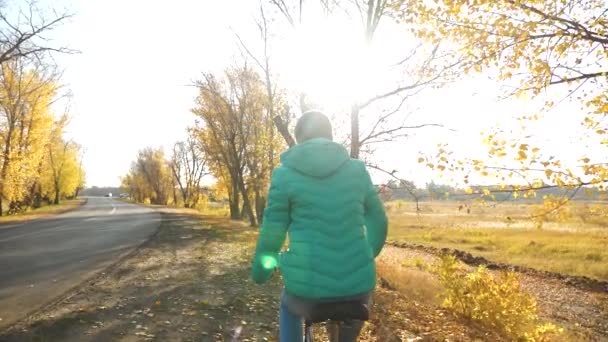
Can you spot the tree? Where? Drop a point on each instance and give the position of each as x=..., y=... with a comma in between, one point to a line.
x=438, y=191
x=419, y=69
x=539, y=43
x=152, y=165
x=221, y=137
x=137, y=187
x=23, y=30
x=373, y=13
x=237, y=135
x=276, y=109
x=28, y=87
x=25, y=120
x=150, y=178
x=536, y=48
x=81, y=174
x=189, y=167
x=61, y=169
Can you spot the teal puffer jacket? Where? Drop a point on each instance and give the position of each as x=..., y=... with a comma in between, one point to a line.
x=326, y=203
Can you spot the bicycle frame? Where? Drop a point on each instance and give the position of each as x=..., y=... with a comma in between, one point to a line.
x=333, y=331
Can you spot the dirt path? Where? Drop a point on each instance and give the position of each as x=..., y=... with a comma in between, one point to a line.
x=190, y=282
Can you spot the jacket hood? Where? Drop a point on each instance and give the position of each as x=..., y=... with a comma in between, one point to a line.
x=318, y=158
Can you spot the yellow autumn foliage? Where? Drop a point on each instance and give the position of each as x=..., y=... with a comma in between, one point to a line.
x=27, y=136
x=497, y=302
x=60, y=173
x=530, y=45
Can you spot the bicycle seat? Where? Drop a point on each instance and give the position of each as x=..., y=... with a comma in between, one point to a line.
x=338, y=311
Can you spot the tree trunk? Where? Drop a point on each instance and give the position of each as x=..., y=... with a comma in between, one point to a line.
x=56, y=201
x=234, y=209
x=4, y=168
x=186, y=199
x=175, y=194
x=284, y=130
x=260, y=204
x=233, y=198
x=247, y=208
x=354, y=132
x=35, y=197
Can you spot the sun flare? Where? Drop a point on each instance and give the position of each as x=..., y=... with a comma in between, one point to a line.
x=331, y=67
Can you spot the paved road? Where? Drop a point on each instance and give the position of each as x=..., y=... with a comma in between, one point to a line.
x=42, y=259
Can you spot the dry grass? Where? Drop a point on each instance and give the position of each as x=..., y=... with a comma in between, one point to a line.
x=578, y=245
x=43, y=211
x=409, y=277
x=411, y=308
x=578, y=216
x=206, y=209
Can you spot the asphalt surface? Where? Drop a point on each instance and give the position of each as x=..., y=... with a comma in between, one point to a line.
x=42, y=259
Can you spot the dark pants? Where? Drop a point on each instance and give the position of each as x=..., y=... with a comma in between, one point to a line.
x=294, y=309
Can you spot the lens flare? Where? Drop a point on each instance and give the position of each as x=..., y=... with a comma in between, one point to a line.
x=269, y=262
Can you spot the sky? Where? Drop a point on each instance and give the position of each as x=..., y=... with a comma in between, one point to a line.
x=131, y=82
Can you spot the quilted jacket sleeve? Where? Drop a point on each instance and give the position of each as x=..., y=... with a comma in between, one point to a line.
x=274, y=229
x=376, y=222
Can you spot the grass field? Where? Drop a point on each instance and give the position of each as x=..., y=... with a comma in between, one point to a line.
x=573, y=241
x=43, y=211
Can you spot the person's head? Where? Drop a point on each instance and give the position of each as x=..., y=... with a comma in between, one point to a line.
x=312, y=125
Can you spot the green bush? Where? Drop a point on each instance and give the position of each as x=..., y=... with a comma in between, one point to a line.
x=496, y=302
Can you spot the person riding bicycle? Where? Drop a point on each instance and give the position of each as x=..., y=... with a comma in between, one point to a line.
x=328, y=206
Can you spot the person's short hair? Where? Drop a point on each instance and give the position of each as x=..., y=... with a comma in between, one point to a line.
x=311, y=125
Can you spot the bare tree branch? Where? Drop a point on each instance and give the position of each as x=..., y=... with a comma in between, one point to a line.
x=570, y=24
x=280, y=4
x=264, y=65
x=406, y=185
x=578, y=78
x=421, y=82
x=397, y=129
x=542, y=187
x=24, y=40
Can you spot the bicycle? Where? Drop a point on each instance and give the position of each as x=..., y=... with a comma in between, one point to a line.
x=334, y=314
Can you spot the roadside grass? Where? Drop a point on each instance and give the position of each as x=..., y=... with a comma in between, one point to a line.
x=573, y=247
x=206, y=209
x=44, y=211
x=411, y=282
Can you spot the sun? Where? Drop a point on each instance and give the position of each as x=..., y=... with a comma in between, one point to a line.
x=329, y=62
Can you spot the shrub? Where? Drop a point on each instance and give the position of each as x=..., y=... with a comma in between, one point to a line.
x=496, y=302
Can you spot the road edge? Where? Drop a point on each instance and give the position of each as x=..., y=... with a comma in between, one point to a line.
x=96, y=276
x=44, y=216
